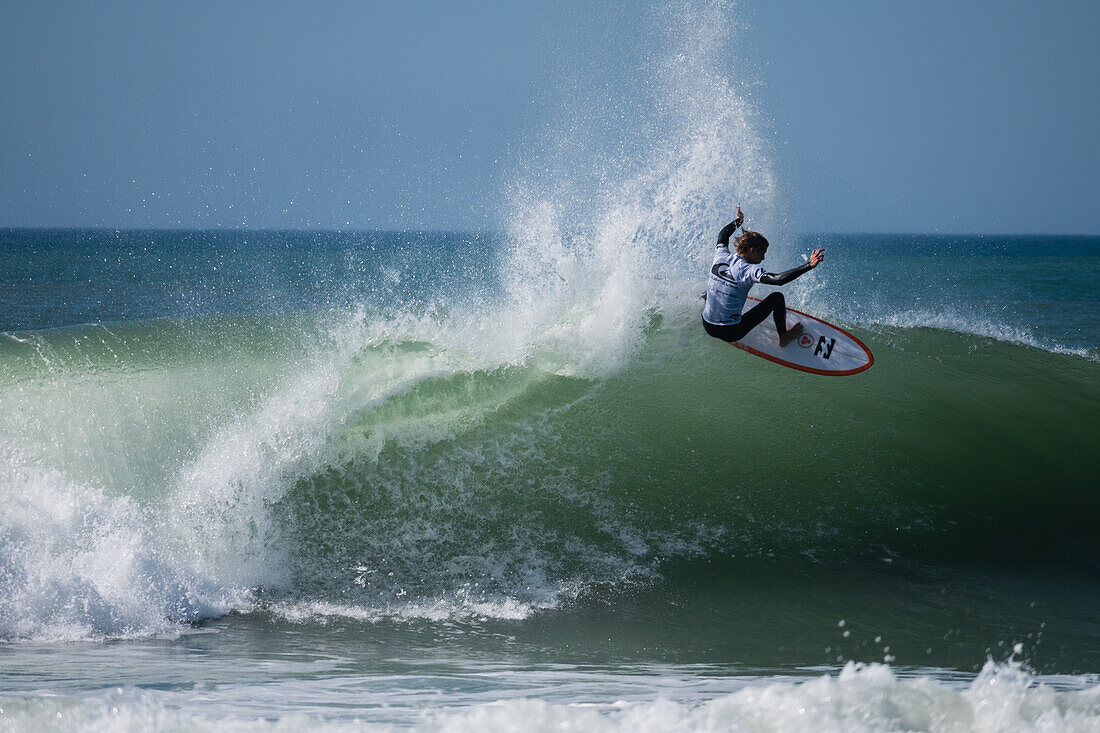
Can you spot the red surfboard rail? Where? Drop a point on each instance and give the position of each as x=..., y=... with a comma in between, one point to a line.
x=820, y=334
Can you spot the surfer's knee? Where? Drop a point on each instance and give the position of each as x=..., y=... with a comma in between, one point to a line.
x=775, y=298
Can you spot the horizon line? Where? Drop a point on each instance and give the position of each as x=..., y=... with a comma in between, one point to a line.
x=447, y=230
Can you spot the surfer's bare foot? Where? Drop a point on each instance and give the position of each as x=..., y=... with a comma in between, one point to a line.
x=791, y=334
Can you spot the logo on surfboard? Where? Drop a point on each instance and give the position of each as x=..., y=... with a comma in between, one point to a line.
x=824, y=347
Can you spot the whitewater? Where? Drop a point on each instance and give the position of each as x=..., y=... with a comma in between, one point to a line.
x=503, y=480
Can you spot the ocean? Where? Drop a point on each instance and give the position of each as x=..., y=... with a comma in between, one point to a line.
x=256, y=480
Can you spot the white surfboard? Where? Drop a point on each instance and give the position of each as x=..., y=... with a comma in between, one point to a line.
x=821, y=349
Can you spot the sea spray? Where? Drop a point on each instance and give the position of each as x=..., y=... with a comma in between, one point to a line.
x=616, y=207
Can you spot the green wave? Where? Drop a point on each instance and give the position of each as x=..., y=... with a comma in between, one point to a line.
x=948, y=438
x=443, y=471
x=951, y=446
x=350, y=463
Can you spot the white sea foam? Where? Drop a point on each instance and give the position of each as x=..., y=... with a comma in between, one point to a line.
x=871, y=698
x=75, y=563
x=456, y=606
x=861, y=698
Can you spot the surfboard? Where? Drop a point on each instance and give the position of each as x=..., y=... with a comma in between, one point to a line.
x=822, y=348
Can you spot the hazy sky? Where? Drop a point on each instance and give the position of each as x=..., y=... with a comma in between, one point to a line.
x=981, y=116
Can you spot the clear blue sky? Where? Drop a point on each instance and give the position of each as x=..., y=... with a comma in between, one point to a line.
x=981, y=116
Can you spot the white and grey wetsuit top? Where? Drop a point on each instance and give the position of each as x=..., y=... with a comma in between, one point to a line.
x=731, y=278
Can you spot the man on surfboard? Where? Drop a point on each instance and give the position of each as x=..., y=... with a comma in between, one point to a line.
x=733, y=275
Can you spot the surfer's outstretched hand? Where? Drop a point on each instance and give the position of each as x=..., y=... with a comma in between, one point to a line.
x=817, y=257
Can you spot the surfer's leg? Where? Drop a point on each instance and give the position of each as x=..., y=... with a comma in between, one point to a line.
x=779, y=314
x=773, y=305
x=750, y=319
x=776, y=306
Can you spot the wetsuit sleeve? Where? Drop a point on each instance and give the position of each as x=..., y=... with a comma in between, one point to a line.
x=728, y=230
x=782, y=278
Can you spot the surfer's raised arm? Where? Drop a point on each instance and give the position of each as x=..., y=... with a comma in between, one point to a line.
x=782, y=278
x=729, y=229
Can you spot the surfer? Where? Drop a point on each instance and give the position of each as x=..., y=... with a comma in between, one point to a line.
x=733, y=275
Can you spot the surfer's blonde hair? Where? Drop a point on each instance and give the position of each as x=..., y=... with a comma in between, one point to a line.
x=750, y=240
